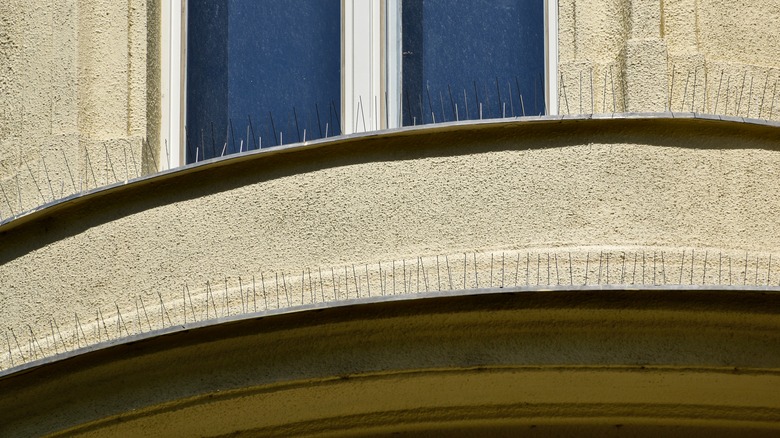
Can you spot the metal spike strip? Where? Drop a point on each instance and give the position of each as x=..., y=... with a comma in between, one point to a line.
x=384, y=275
x=744, y=91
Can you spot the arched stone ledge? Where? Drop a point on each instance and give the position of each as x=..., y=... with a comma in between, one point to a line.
x=685, y=196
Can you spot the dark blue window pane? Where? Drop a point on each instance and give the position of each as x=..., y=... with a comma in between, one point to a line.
x=207, y=65
x=265, y=69
x=459, y=55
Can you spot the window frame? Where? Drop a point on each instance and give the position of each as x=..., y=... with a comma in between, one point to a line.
x=173, y=83
x=362, y=61
x=378, y=71
x=551, y=55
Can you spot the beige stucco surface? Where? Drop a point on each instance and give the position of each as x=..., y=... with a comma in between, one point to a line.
x=656, y=55
x=79, y=90
x=526, y=203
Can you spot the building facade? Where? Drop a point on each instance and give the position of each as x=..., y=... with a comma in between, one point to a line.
x=605, y=264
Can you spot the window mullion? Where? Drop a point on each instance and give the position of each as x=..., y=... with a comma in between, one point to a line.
x=173, y=104
x=551, y=54
x=394, y=69
x=362, y=91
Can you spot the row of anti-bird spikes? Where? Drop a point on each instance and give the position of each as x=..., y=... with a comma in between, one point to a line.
x=74, y=178
x=716, y=90
x=281, y=291
x=425, y=107
x=726, y=90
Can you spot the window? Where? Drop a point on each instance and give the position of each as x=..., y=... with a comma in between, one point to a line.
x=261, y=73
x=472, y=59
x=267, y=69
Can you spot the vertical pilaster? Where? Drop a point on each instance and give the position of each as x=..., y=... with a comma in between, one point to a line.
x=680, y=24
x=645, y=59
x=592, y=36
x=103, y=69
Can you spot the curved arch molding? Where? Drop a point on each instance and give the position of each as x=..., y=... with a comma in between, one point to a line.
x=602, y=362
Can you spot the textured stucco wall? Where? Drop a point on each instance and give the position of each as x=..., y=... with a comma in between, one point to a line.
x=74, y=82
x=593, y=201
x=664, y=201
x=710, y=56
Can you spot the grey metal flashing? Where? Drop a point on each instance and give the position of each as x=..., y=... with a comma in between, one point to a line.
x=737, y=119
x=703, y=116
x=754, y=121
x=637, y=116
x=577, y=116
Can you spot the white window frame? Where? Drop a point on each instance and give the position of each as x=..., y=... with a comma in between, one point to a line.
x=173, y=83
x=361, y=65
x=551, y=55
x=371, y=69
x=393, y=70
